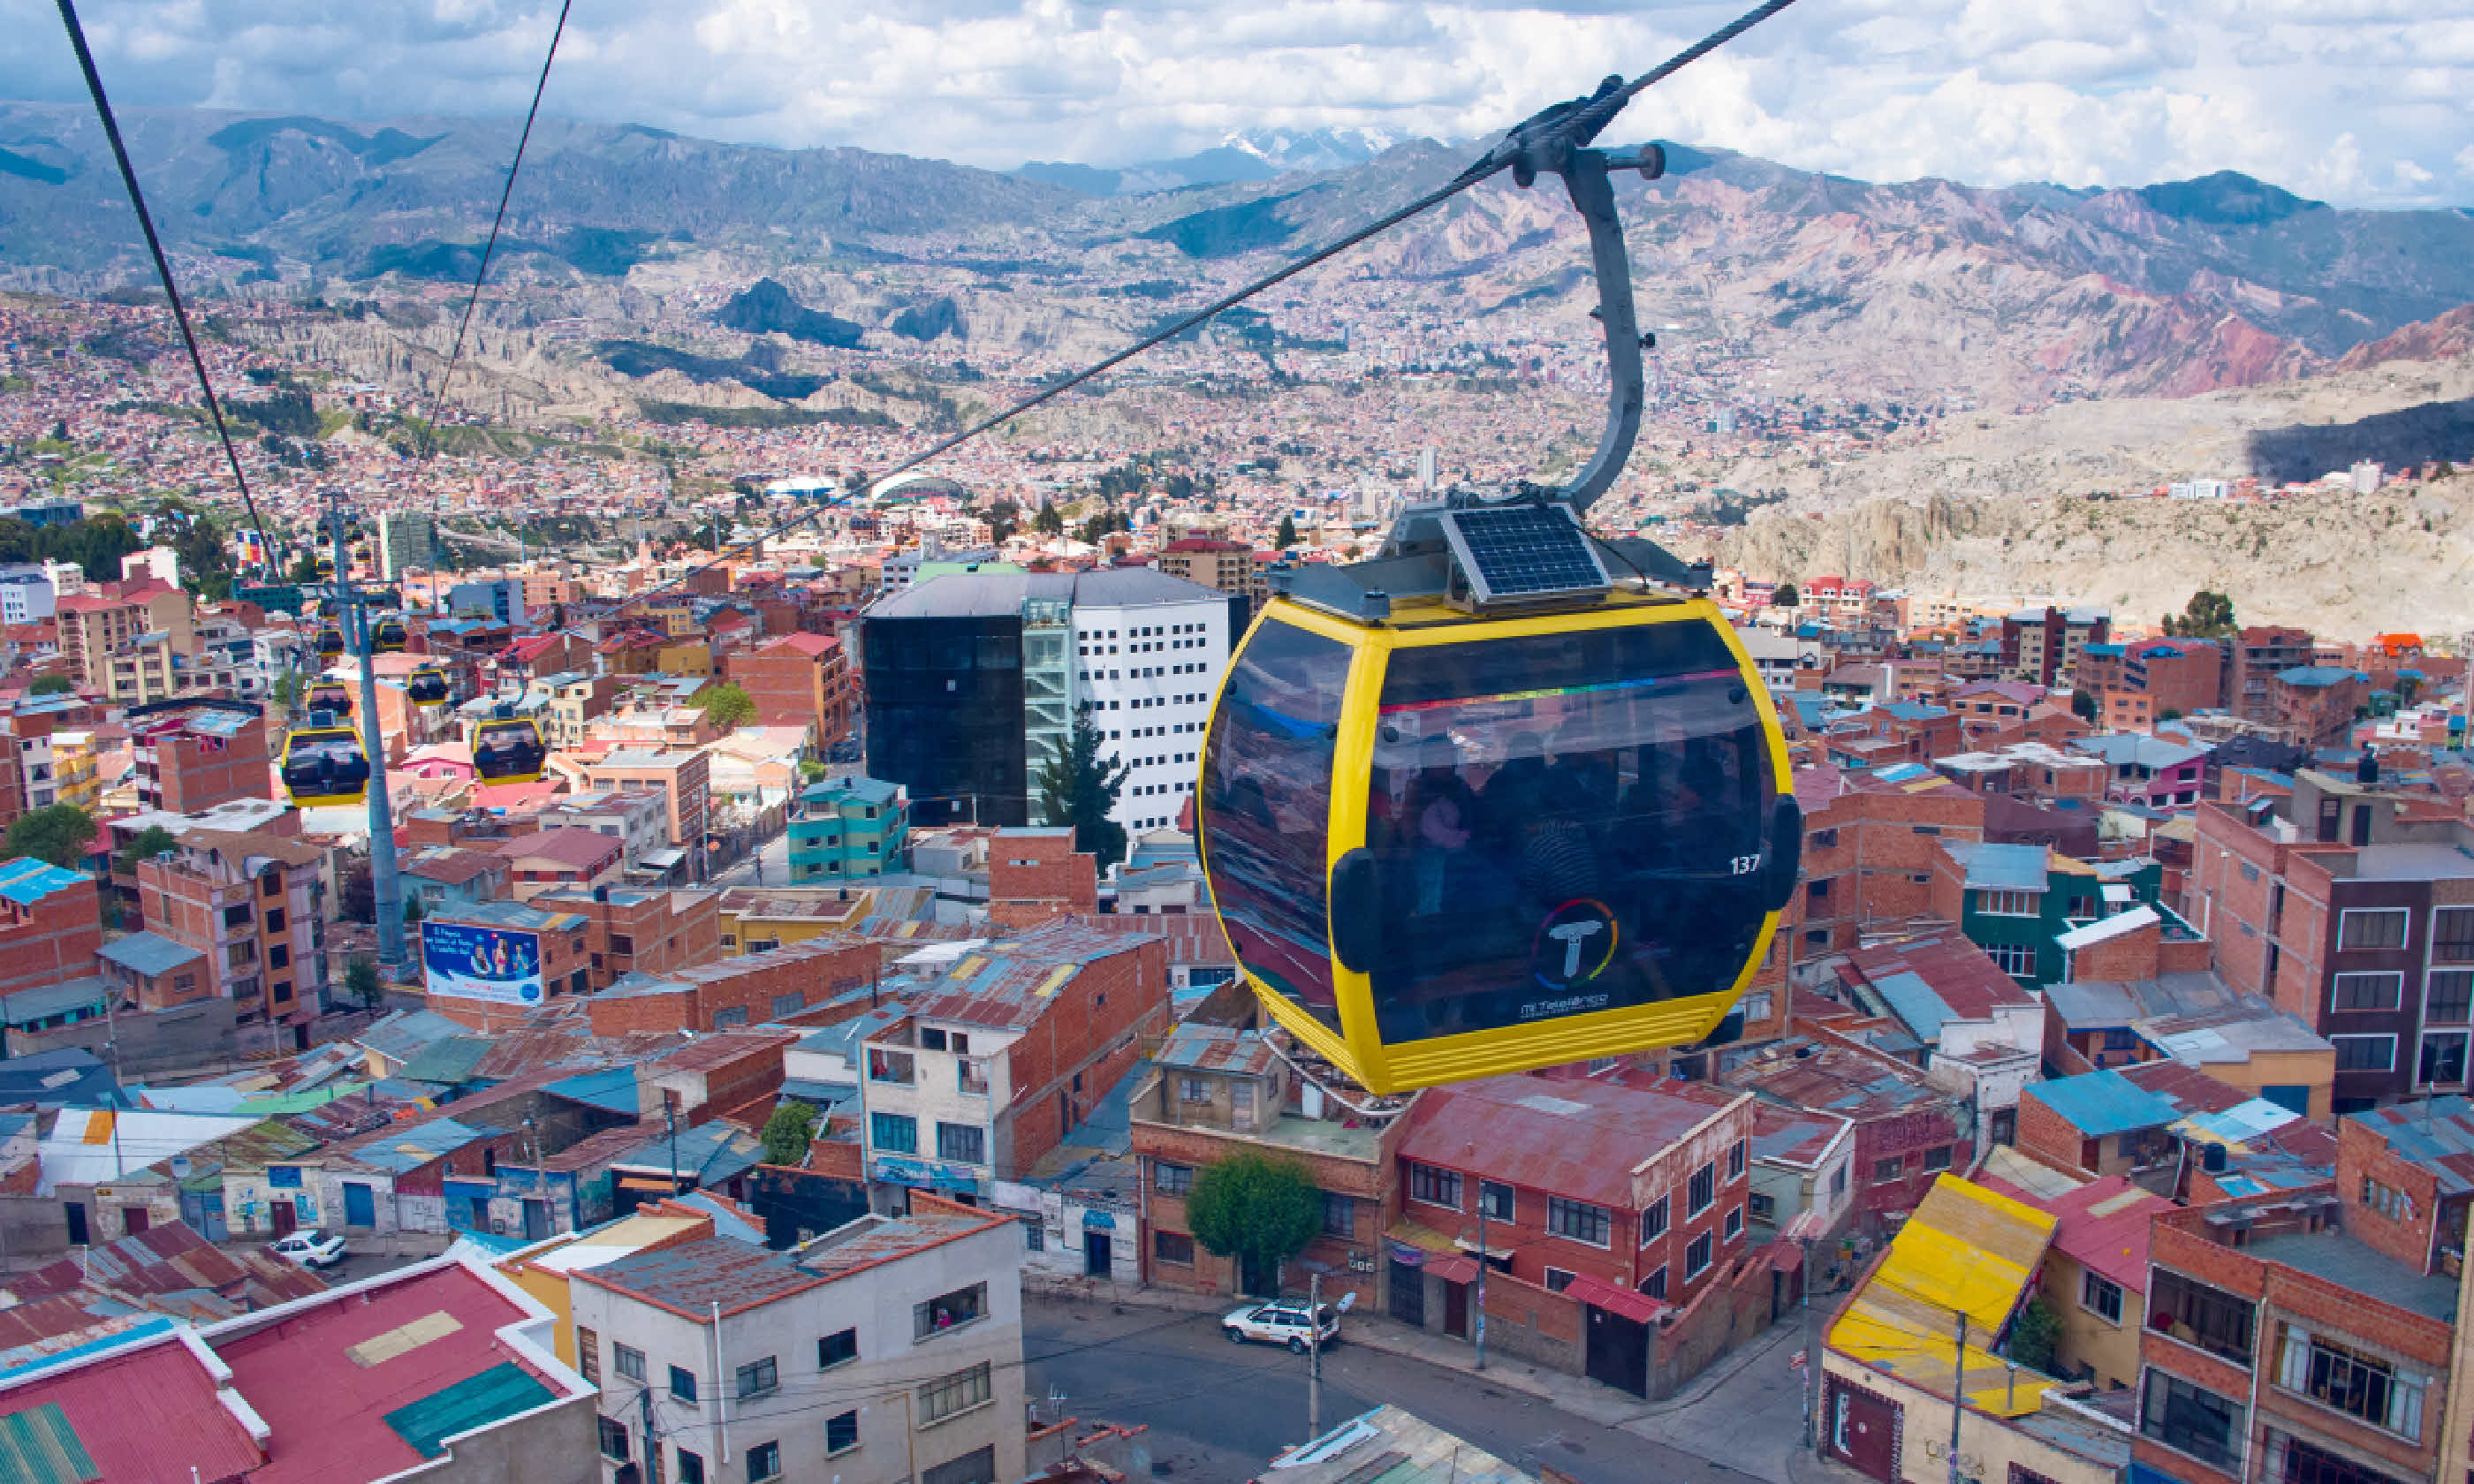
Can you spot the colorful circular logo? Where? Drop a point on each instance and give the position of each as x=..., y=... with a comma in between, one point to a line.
x=1574, y=944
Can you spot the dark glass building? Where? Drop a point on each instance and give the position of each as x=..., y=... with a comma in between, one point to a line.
x=944, y=703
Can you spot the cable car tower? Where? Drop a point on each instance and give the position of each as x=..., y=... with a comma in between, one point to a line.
x=385, y=882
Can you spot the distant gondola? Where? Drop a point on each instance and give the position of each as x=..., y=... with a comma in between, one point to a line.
x=324, y=764
x=507, y=751
x=426, y=686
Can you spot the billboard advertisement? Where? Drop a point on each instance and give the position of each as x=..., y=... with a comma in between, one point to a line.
x=501, y=965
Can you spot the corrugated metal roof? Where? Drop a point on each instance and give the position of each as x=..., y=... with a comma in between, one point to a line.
x=2105, y=1102
x=27, y=880
x=1577, y=1139
x=476, y=1402
x=149, y=953
x=1967, y=1250
x=2437, y=1134
x=37, y=1446
x=2000, y=868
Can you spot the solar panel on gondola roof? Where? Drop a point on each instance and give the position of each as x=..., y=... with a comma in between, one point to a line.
x=1520, y=551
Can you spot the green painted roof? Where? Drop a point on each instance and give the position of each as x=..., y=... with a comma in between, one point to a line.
x=39, y=1447
x=476, y=1402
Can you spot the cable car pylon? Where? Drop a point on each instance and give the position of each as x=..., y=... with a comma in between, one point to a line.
x=385, y=882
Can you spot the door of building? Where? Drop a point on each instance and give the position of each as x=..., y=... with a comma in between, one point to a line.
x=1864, y=1431
x=1618, y=1352
x=536, y=1220
x=1456, y=1310
x=1408, y=1294
x=360, y=1206
x=1098, y=1253
x=77, y=1222
x=278, y=1209
x=135, y=1220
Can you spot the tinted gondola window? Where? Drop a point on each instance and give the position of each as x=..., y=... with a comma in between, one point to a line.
x=1563, y=824
x=1267, y=789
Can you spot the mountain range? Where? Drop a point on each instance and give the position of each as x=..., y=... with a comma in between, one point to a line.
x=2019, y=294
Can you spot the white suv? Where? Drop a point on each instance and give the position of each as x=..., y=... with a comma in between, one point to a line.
x=312, y=1248
x=1282, y=1323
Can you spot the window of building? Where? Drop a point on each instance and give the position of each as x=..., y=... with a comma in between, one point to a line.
x=895, y=1067
x=764, y=1462
x=270, y=885
x=1339, y=1215
x=279, y=956
x=1759, y=1004
x=730, y=1018
x=2452, y=935
x=1937, y=1159
x=1034, y=1237
x=1174, y=1247
x=2383, y=990
x=1435, y=1186
x=1653, y=1220
x=1495, y=1199
x=1558, y=1279
x=614, y=1440
x=949, y=1311
x=2372, y=928
x=2387, y=1200
x=837, y=1348
x=2364, y=1053
x=1737, y=1159
x=1701, y=1191
x=759, y=1379
x=977, y=1466
x=683, y=1383
x=1655, y=1284
x=841, y=1433
x=628, y=1360
x=1838, y=1181
x=959, y=1392
x=893, y=1133
x=2016, y=959
x=2191, y=1419
x=1696, y=1257
x=2100, y=1296
x=2443, y=1058
x=2200, y=1314
x=1892, y=1168
x=788, y=1002
x=1172, y=1179
x=588, y=1354
x=961, y=1143
x=1735, y=1223
x=691, y=1467
x=2008, y=904
x=1579, y=1220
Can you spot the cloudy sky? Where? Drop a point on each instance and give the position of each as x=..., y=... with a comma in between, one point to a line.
x=2359, y=102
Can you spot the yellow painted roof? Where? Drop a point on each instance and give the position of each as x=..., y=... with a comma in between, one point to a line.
x=1966, y=1249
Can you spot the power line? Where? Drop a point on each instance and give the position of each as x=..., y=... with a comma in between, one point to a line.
x=429, y=429
x=1562, y=127
x=163, y=269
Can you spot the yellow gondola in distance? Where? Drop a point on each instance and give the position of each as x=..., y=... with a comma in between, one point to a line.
x=388, y=638
x=426, y=685
x=1474, y=806
x=323, y=763
x=330, y=642
x=507, y=749
x=333, y=697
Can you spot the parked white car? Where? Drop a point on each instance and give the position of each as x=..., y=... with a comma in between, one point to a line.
x=312, y=1248
x=1279, y=1323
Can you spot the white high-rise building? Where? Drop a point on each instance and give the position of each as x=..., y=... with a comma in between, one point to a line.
x=406, y=540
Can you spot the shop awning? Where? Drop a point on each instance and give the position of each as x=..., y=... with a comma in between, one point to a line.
x=1453, y=1269
x=1598, y=1293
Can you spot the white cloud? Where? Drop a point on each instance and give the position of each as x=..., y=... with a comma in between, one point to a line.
x=2335, y=98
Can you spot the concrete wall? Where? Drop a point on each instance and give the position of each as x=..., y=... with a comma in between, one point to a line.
x=1988, y=1449
x=199, y=1034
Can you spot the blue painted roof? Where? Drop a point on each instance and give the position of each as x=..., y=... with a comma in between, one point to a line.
x=1902, y=772
x=2320, y=676
x=1913, y=1001
x=613, y=1087
x=2000, y=868
x=27, y=880
x=2106, y=1102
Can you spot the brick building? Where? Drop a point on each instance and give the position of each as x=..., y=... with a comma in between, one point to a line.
x=1642, y=1187
x=2354, y=918
x=194, y=754
x=51, y=925
x=2041, y=646
x=680, y=776
x=111, y=618
x=749, y=990
x=2180, y=676
x=1908, y=1132
x=1006, y=1052
x=2257, y=654
x=550, y=859
x=255, y=904
x=1035, y=875
x=2316, y=705
x=800, y=680
x=560, y=938
x=629, y=930
x=1231, y=566
x=1214, y=1093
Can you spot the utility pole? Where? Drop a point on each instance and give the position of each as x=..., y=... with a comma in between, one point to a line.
x=671, y=1121
x=1811, y=1348
x=1957, y=1393
x=385, y=886
x=1314, y=1357
x=1481, y=1274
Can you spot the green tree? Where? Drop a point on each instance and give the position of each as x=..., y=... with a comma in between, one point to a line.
x=361, y=981
x=287, y=691
x=1079, y=787
x=787, y=1134
x=1048, y=522
x=811, y=771
x=1785, y=595
x=2208, y=616
x=2033, y=1335
x=1286, y=536
x=356, y=898
x=2172, y=713
x=57, y=834
x=726, y=706
x=1258, y=1210
x=51, y=686
x=2083, y=705
x=151, y=842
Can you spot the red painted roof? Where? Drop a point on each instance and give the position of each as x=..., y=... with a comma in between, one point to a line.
x=1577, y=1139
x=1962, y=975
x=584, y=849
x=151, y=1414
x=2105, y=1227
x=807, y=644
x=325, y=1411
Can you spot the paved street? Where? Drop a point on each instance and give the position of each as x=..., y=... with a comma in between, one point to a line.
x=1219, y=1411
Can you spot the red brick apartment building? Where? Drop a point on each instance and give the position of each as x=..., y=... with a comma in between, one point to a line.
x=1642, y=1189
x=642, y=931
x=1869, y=845
x=1215, y=1093
x=2258, y=653
x=2166, y=674
x=562, y=938
x=255, y=904
x=2316, y=705
x=1007, y=1052
x=799, y=679
x=553, y=858
x=194, y=754
x=1035, y=875
x=2358, y=920
x=2286, y=1344
x=1908, y=1132
x=51, y=925
x=751, y=989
